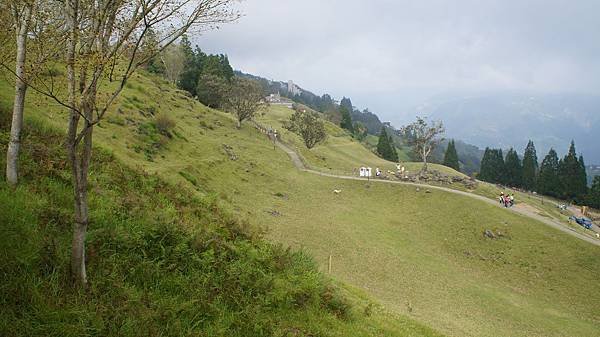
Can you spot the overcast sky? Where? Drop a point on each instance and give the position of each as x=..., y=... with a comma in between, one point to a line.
x=389, y=55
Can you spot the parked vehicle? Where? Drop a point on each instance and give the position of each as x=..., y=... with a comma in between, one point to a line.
x=584, y=222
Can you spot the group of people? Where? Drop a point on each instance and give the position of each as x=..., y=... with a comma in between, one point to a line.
x=507, y=200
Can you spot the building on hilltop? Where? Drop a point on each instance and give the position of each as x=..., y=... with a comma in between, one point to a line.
x=276, y=99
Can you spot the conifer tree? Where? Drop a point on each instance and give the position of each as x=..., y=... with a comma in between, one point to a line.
x=393, y=154
x=530, y=167
x=385, y=147
x=492, y=166
x=548, y=182
x=582, y=180
x=346, y=122
x=571, y=173
x=513, y=170
x=346, y=103
x=188, y=80
x=451, y=157
x=484, y=169
x=500, y=167
x=593, y=199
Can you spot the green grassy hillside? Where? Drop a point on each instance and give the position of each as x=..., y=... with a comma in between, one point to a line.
x=162, y=261
x=340, y=153
x=421, y=254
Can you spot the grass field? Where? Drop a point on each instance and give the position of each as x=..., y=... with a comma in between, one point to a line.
x=340, y=153
x=421, y=254
x=161, y=262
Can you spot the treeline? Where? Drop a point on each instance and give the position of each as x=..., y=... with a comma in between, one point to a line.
x=564, y=178
x=205, y=76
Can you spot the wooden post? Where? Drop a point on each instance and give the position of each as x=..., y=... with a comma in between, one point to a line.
x=329, y=265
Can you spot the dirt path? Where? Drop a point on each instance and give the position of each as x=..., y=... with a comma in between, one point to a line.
x=519, y=210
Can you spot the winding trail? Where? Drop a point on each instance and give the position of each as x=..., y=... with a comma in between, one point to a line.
x=299, y=164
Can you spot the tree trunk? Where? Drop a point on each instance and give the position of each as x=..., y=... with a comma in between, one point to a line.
x=424, y=169
x=239, y=123
x=12, y=154
x=80, y=162
x=77, y=161
x=80, y=171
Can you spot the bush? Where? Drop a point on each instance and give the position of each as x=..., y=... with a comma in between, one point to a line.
x=164, y=124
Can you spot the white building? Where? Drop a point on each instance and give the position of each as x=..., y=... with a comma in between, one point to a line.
x=276, y=99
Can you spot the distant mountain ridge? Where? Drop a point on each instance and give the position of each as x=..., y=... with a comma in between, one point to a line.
x=510, y=120
x=592, y=171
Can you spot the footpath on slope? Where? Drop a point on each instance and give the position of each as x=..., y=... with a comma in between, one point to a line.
x=299, y=164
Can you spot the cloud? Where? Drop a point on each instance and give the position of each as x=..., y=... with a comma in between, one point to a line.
x=386, y=54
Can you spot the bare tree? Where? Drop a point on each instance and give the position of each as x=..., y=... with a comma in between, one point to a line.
x=35, y=25
x=307, y=125
x=22, y=12
x=424, y=137
x=105, y=42
x=244, y=99
x=174, y=61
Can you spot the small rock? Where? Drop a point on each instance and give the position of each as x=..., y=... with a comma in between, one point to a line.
x=488, y=233
x=229, y=151
x=274, y=212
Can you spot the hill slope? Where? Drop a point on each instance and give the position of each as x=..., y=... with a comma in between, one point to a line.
x=421, y=254
x=162, y=261
x=340, y=153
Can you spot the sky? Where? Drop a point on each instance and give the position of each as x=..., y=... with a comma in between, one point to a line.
x=391, y=55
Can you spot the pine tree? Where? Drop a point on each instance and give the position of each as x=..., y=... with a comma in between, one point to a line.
x=530, y=167
x=492, y=167
x=382, y=144
x=513, y=171
x=485, y=171
x=386, y=148
x=548, y=181
x=593, y=199
x=393, y=154
x=346, y=103
x=189, y=77
x=499, y=167
x=582, y=180
x=346, y=122
x=451, y=157
x=570, y=173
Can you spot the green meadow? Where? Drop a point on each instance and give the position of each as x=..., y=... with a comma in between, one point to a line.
x=416, y=256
